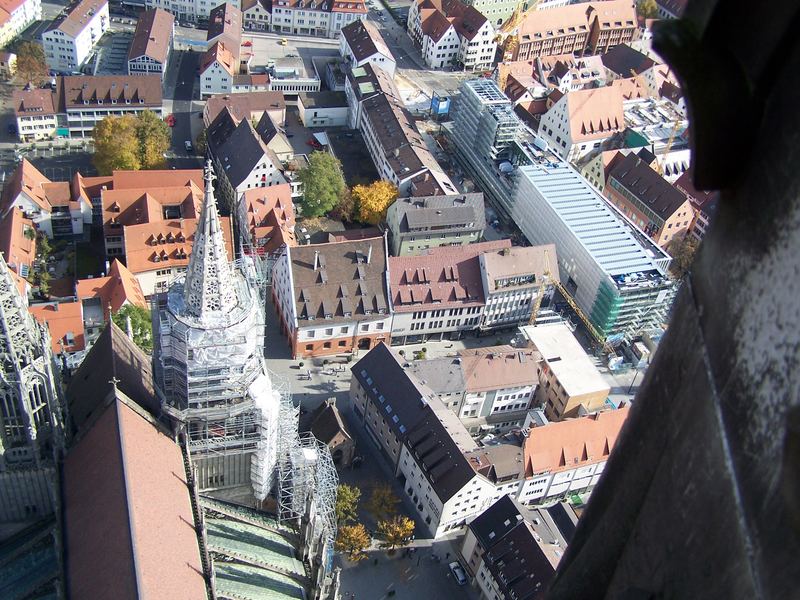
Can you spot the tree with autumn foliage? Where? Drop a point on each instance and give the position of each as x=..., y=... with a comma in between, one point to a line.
x=347, y=497
x=130, y=143
x=682, y=251
x=647, y=9
x=395, y=532
x=353, y=540
x=382, y=502
x=31, y=66
x=372, y=201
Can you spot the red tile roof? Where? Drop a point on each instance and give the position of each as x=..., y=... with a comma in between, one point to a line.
x=153, y=35
x=445, y=277
x=270, y=216
x=129, y=529
x=114, y=290
x=17, y=248
x=573, y=443
x=62, y=319
x=26, y=178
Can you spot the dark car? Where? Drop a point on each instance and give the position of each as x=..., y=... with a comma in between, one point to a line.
x=12, y=128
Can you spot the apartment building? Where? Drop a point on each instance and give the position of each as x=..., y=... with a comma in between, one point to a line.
x=703, y=202
x=671, y=9
x=152, y=43
x=569, y=456
x=89, y=100
x=450, y=33
x=661, y=210
x=265, y=219
x=195, y=11
x=361, y=43
x=614, y=272
x=333, y=298
x=394, y=143
x=37, y=113
x=418, y=224
x=224, y=59
x=256, y=15
x=512, y=280
x=59, y=209
x=249, y=106
x=386, y=401
x=581, y=121
x=242, y=156
x=438, y=295
x=322, y=109
x=69, y=40
x=512, y=552
x=322, y=18
x=15, y=16
x=64, y=322
x=584, y=28
x=362, y=83
x=568, y=379
x=490, y=389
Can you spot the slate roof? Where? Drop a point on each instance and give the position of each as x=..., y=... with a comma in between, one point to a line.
x=112, y=355
x=497, y=520
x=518, y=565
x=623, y=60
x=442, y=461
x=153, y=35
x=237, y=146
x=364, y=40
x=326, y=423
x=441, y=212
x=347, y=283
x=647, y=185
x=381, y=374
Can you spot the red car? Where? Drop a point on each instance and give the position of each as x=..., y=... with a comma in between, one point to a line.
x=314, y=144
x=170, y=120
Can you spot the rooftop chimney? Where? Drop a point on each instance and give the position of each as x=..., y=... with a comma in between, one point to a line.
x=369, y=254
x=316, y=259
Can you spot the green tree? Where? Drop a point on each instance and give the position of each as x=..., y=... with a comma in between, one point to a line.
x=382, y=502
x=130, y=143
x=682, y=251
x=395, y=532
x=140, y=324
x=201, y=142
x=31, y=64
x=353, y=540
x=323, y=184
x=43, y=280
x=347, y=498
x=374, y=200
x=647, y=9
x=153, y=136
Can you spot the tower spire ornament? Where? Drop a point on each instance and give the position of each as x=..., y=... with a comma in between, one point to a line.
x=209, y=289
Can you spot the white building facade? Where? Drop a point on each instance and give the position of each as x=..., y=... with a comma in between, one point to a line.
x=189, y=10
x=69, y=40
x=18, y=16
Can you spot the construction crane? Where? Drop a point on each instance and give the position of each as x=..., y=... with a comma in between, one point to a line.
x=506, y=36
x=547, y=278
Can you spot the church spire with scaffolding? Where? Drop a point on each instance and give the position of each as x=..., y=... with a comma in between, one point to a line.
x=209, y=288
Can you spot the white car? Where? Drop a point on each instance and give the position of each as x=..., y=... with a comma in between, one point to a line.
x=458, y=573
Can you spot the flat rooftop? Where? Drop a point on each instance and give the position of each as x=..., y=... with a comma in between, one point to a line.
x=566, y=358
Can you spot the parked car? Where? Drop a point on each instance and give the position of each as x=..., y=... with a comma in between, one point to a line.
x=188, y=145
x=458, y=573
x=314, y=144
x=170, y=120
x=284, y=42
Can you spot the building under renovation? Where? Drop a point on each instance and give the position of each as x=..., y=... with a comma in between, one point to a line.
x=31, y=412
x=238, y=421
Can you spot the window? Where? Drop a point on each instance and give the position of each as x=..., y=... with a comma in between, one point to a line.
x=309, y=346
x=329, y=331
